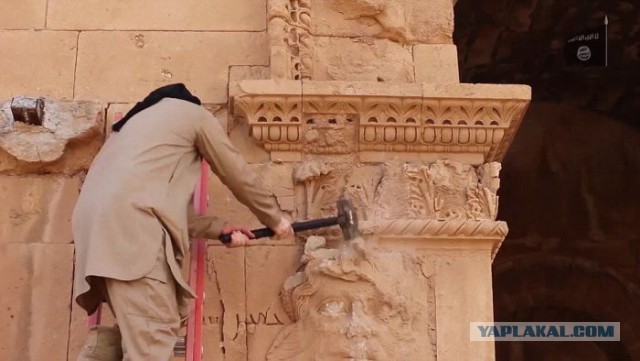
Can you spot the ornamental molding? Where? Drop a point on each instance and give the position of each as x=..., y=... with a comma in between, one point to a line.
x=343, y=118
x=430, y=228
x=426, y=230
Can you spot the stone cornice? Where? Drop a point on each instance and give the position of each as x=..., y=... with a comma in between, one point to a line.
x=346, y=117
x=450, y=230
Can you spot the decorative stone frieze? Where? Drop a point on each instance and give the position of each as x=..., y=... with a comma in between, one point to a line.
x=343, y=117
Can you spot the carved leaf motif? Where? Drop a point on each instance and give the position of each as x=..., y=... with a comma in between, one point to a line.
x=362, y=186
x=423, y=201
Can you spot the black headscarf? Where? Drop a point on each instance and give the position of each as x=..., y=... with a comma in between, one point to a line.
x=177, y=91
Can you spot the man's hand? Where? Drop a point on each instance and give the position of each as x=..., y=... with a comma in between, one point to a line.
x=284, y=229
x=240, y=236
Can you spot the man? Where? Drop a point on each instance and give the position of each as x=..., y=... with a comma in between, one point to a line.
x=131, y=225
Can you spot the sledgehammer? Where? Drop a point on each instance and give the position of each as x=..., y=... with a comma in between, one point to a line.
x=346, y=219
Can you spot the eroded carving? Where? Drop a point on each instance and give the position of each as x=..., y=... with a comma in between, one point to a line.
x=321, y=188
x=289, y=29
x=362, y=185
x=441, y=190
x=357, y=303
x=448, y=189
x=329, y=134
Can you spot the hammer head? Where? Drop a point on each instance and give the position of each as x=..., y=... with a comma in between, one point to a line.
x=347, y=218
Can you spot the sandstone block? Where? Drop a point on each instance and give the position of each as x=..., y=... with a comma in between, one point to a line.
x=267, y=269
x=361, y=88
x=216, y=15
x=225, y=305
x=37, y=63
x=70, y=136
x=22, y=14
x=436, y=63
x=362, y=59
x=37, y=209
x=463, y=295
x=147, y=60
x=245, y=72
x=34, y=303
x=404, y=21
x=223, y=204
x=478, y=91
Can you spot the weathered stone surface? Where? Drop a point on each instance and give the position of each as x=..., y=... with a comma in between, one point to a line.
x=267, y=268
x=216, y=15
x=34, y=303
x=405, y=21
x=225, y=307
x=22, y=14
x=362, y=59
x=37, y=209
x=477, y=91
x=147, y=60
x=37, y=63
x=356, y=302
x=462, y=295
x=436, y=64
x=67, y=141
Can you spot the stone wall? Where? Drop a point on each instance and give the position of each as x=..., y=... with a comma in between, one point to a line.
x=111, y=54
x=92, y=59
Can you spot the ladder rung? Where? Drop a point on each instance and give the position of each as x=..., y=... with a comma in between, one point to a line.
x=180, y=349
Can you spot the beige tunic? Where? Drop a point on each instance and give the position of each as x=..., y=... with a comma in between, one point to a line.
x=138, y=189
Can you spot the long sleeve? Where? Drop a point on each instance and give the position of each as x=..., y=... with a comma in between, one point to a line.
x=234, y=172
x=205, y=226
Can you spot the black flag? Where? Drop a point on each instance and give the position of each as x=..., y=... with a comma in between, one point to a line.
x=589, y=47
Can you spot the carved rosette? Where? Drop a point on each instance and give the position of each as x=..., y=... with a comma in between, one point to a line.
x=347, y=123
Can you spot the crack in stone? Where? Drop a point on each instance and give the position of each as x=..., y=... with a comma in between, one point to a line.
x=217, y=283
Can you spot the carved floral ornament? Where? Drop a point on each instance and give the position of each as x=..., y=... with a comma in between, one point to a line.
x=342, y=124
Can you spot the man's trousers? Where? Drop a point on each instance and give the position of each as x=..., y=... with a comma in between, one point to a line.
x=146, y=311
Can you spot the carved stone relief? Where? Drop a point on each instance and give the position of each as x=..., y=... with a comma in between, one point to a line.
x=320, y=186
x=409, y=123
x=289, y=30
x=357, y=303
x=442, y=190
x=450, y=190
x=403, y=21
